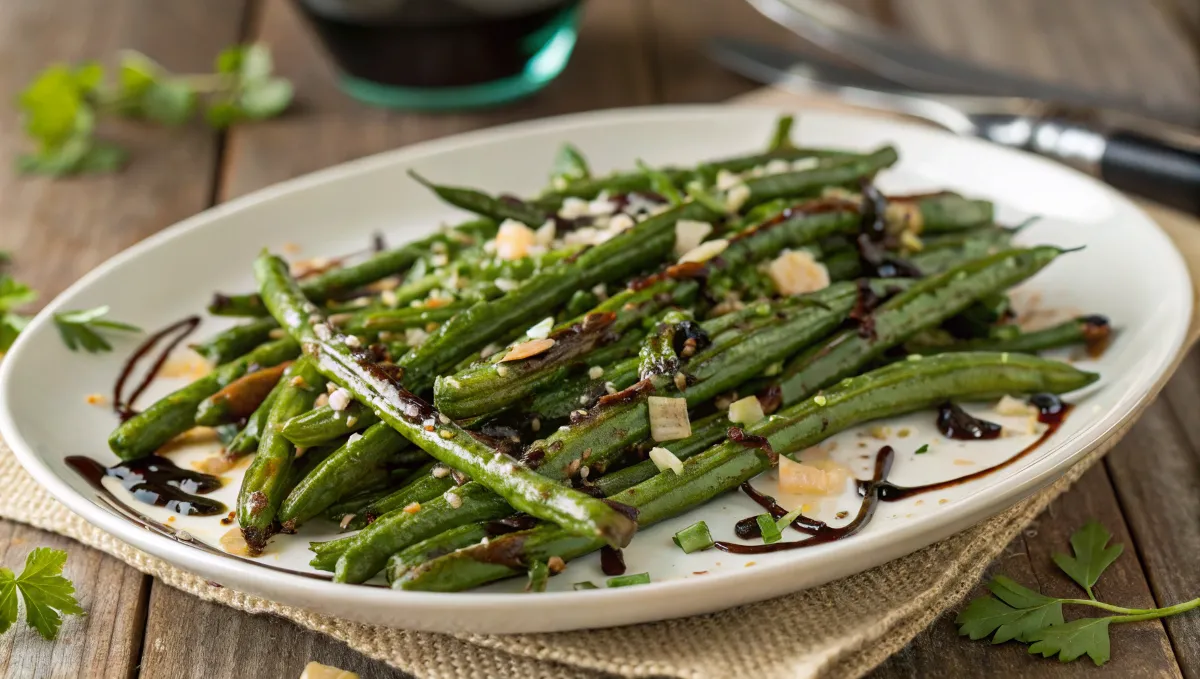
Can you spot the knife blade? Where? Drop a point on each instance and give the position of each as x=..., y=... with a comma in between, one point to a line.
x=1165, y=171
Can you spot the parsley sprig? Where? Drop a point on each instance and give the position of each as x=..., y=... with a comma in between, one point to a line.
x=46, y=593
x=12, y=296
x=82, y=329
x=63, y=105
x=1014, y=612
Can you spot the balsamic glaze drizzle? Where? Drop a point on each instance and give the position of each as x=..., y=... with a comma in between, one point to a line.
x=1051, y=411
x=956, y=423
x=124, y=406
x=157, y=481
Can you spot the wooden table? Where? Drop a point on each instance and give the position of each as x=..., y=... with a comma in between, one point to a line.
x=631, y=52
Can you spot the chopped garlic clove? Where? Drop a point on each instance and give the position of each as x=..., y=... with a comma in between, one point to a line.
x=669, y=419
x=797, y=272
x=665, y=459
x=705, y=251
x=746, y=411
x=689, y=233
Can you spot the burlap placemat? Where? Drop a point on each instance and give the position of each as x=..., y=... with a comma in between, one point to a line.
x=842, y=629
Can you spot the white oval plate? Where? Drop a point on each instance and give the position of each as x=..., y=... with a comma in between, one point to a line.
x=1129, y=271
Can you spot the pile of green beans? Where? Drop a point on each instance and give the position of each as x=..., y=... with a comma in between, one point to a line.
x=507, y=368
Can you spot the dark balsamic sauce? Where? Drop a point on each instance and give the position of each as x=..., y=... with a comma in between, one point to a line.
x=181, y=329
x=612, y=561
x=956, y=423
x=873, y=240
x=157, y=481
x=1052, y=411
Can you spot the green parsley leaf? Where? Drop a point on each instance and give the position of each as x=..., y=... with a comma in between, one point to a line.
x=46, y=593
x=922, y=450
x=136, y=74
x=1092, y=555
x=569, y=164
x=11, y=325
x=55, y=107
x=265, y=99
x=80, y=329
x=14, y=294
x=1016, y=613
x=170, y=102
x=1073, y=639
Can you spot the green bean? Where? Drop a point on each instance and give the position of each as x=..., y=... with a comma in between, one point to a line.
x=399, y=320
x=892, y=390
x=948, y=212
x=324, y=424
x=583, y=390
x=350, y=469
x=246, y=440
x=421, y=489
x=344, y=279
x=354, y=504
x=431, y=548
x=926, y=304
x=661, y=183
x=1091, y=330
x=491, y=388
x=175, y=413
x=227, y=345
x=811, y=182
x=439, y=436
x=263, y=484
x=781, y=137
x=473, y=200
x=240, y=398
x=705, y=432
x=607, y=430
x=569, y=166
x=631, y=251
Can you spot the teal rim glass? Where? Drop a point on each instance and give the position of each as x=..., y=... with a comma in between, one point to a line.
x=548, y=44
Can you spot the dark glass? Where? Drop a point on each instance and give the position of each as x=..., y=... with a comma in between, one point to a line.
x=445, y=53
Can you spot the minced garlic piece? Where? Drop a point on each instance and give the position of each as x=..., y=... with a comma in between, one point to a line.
x=796, y=272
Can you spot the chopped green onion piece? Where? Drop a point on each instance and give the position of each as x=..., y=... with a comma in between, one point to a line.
x=628, y=580
x=923, y=449
x=586, y=584
x=539, y=573
x=787, y=519
x=694, y=538
x=770, y=531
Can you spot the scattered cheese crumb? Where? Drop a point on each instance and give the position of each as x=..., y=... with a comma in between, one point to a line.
x=795, y=272
x=573, y=208
x=746, y=410
x=689, y=233
x=736, y=197
x=727, y=180
x=542, y=329
x=354, y=437
x=454, y=500
x=353, y=342
x=513, y=240
x=339, y=400
x=669, y=418
x=505, y=284
x=440, y=472
x=595, y=372
x=1014, y=406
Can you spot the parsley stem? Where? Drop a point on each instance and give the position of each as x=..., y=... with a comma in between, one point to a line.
x=1158, y=612
x=1107, y=607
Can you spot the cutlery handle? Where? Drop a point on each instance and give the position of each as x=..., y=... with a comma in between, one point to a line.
x=1148, y=167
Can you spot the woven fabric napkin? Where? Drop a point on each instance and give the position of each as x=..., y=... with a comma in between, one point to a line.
x=842, y=629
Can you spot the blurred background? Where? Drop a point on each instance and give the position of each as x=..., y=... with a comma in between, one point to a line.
x=371, y=75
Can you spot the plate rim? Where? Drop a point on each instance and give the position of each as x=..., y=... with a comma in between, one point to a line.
x=301, y=591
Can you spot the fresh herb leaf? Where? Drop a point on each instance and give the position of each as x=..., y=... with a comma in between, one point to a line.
x=81, y=329
x=569, y=165
x=661, y=184
x=60, y=107
x=46, y=593
x=781, y=138
x=1016, y=613
x=11, y=325
x=922, y=450
x=1073, y=639
x=14, y=294
x=1093, y=554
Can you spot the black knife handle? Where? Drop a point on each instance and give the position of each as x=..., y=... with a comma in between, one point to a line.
x=1149, y=168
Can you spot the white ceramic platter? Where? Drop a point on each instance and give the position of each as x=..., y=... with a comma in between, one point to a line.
x=1128, y=271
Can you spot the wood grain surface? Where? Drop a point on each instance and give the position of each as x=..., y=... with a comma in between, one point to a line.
x=630, y=52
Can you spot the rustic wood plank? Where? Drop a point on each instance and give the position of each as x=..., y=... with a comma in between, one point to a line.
x=1157, y=478
x=1139, y=649
x=680, y=32
x=59, y=229
x=608, y=69
x=191, y=639
x=103, y=643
